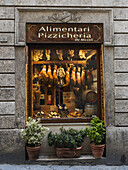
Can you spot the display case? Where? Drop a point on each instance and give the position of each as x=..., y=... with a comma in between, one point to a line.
x=63, y=83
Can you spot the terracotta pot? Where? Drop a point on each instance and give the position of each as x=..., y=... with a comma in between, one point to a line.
x=97, y=150
x=33, y=152
x=68, y=153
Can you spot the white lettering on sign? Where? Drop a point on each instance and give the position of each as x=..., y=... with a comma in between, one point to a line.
x=64, y=29
x=76, y=33
x=65, y=35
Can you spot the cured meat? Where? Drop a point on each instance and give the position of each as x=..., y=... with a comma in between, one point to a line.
x=73, y=76
x=83, y=76
x=43, y=75
x=78, y=76
x=55, y=78
x=67, y=78
x=50, y=77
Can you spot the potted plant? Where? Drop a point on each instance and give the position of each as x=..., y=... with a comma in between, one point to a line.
x=33, y=134
x=67, y=142
x=96, y=133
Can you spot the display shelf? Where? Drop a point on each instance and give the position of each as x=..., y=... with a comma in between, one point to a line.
x=83, y=62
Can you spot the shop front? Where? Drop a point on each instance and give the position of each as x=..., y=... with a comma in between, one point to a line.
x=65, y=85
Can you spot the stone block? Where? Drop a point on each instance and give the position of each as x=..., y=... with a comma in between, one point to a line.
x=6, y=12
x=121, y=52
x=12, y=149
x=7, y=94
x=109, y=82
x=6, y=39
x=121, y=26
x=121, y=39
x=7, y=66
x=22, y=32
x=121, y=65
x=7, y=108
x=7, y=122
x=6, y=25
x=20, y=92
x=121, y=119
x=120, y=14
x=117, y=145
x=7, y=53
x=7, y=79
x=121, y=92
x=121, y=106
x=121, y=78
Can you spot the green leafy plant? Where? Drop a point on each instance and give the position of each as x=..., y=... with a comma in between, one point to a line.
x=66, y=138
x=34, y=132
x=97, y=131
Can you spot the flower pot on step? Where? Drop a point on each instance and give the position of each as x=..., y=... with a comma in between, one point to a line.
x=97, y=150
x=33, y=152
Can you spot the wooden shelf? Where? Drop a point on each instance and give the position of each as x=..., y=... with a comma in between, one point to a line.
x=83, y=62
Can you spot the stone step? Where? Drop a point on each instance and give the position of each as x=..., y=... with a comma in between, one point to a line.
x=82, y=160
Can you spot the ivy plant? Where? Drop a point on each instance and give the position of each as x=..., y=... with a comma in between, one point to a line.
x=71, y=138
x=34, y=132
x=97, y=131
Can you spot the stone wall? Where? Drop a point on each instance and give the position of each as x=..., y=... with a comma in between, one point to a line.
x=13, y=16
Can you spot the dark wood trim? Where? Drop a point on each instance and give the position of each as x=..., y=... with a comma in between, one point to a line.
x=66, y=120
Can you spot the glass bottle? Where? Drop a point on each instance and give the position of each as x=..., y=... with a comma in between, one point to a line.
x=42, y=96
x=49, y=95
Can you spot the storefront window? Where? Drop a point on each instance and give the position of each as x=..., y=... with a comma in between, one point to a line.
x=64, y=83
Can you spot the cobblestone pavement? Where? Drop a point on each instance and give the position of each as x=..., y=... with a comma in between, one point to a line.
x=55, y=167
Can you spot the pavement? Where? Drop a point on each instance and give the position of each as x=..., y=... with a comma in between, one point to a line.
x=60, y=167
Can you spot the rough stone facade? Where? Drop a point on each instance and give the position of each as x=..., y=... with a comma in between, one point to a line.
x=13, y=16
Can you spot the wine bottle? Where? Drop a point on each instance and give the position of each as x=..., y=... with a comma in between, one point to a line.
x=57, y=97
x=42, y=96
x=49, y=95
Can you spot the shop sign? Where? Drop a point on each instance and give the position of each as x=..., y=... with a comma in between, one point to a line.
x=64, y=33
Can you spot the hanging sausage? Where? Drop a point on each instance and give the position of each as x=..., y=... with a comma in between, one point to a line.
x=73, y=76
x=67, y=78
x=78, y=76
x=50, y=77
x=83, y=76
x=43, y=75
x=55, y=78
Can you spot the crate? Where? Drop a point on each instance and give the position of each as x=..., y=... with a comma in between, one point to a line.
x=68, y=95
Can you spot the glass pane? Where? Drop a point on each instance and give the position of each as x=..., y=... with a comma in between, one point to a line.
x=64, y=83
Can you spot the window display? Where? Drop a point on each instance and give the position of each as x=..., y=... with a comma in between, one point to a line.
x=64, y=83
